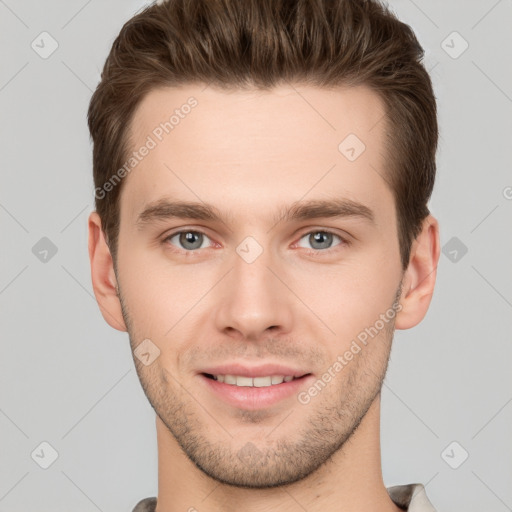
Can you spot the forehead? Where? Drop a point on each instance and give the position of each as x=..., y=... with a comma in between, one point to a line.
x=256, y=113
x=256, y=148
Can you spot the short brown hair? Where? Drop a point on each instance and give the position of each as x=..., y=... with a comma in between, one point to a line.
x=262, y=43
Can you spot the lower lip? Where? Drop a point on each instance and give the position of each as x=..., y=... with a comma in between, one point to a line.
x=252, y=398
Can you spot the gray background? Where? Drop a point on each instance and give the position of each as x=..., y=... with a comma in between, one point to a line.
x=67, y=378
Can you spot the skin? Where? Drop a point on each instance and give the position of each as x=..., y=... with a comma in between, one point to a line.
x=251, y=154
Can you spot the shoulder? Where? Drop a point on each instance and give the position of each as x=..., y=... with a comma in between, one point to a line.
x=411, y=497
x=146, y=505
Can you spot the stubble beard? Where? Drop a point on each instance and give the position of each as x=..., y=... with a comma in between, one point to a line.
x=276, y=459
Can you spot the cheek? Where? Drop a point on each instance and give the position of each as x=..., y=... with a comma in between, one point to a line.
x=161, y=297
x=349, y=299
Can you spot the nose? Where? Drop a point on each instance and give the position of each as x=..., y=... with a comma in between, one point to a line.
x=253, y=300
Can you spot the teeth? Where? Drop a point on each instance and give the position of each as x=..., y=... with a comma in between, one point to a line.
x=229, y=379
x=257, y=382
x=243, y=381
x=263, y=382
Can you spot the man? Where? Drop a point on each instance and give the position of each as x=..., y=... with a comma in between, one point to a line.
x=262, y=172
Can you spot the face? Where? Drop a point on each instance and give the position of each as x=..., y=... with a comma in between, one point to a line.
x=257, y=241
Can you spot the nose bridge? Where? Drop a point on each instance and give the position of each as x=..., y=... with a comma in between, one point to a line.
x=253, y=299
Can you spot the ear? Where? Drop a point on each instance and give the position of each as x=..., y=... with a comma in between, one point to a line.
x=103, y=276
x=420, y=276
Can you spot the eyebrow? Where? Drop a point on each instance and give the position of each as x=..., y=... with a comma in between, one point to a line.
x=164, y=209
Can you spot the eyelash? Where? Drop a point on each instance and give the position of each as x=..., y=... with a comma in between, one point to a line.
x=344, y=242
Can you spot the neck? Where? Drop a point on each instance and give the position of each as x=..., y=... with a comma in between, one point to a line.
x=351, y=480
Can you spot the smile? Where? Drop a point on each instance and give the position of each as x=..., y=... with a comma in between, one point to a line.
x=257, y=382
x=256, y=392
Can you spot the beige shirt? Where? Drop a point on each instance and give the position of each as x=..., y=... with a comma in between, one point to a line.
x=411, y=498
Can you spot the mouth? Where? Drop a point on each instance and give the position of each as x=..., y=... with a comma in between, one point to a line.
x=256, y=382
x=255, y=392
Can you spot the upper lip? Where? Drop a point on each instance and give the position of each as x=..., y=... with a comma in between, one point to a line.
x=254, y=371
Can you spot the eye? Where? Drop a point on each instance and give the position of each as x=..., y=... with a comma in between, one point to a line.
x=320, y=240
x=188, y=240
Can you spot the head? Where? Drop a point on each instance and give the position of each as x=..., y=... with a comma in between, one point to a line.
x=306, y=133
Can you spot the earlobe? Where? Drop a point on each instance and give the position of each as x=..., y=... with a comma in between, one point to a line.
x=103, y=277
x=420, y=276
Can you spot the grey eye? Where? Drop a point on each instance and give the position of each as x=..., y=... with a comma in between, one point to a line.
x=188, y=240
x=319, y=240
